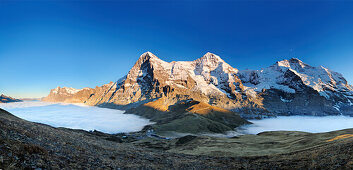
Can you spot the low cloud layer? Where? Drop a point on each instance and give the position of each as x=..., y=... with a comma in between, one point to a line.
x=77, y=116
x=300, y=123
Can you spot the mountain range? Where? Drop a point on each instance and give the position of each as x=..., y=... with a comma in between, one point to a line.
x=8, y=99
x=288, y=87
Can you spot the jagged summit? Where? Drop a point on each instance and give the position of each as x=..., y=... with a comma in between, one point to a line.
x=284, y=74
x=68, y=90
x=288, y=87
x=292, y=63
x=316, y=86
x=209, y=59
x=295, y=60
x=211, y=56
x=208, y=79
x=147, y=57
x=212, y=62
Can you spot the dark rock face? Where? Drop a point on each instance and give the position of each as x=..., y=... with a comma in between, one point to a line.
x=7, y=99
x=289, y=87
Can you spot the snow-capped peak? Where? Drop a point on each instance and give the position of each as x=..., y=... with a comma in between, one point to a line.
x=209, y=59
x=56, y=90
x=211, y=74
x=212, y=61
x=283, y=63
x=287, y=75
x=293, y=63
x=287, y=87
x=69, y=90
x=211, y=56
x=148, y=56
x=298, y=63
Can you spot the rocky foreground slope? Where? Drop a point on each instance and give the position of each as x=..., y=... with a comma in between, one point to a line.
x=27, y=145
x=289, y=87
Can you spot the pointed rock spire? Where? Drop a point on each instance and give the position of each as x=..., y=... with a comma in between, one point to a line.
x=297, y=63
x=283, y=63
x=211, y=56
x=296, y=60
x=292, y=63
x=147, y=55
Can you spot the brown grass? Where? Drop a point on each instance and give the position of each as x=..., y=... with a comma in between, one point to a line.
x=340, y=137
x=204, y=108
x=158, y=105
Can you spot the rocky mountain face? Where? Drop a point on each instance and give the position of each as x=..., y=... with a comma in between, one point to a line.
x=289, y=87
x=8, y=99
x=208, y=79
x=69, y=95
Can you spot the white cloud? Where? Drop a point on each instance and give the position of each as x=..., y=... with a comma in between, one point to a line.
x=300, y=123
x=77, y=116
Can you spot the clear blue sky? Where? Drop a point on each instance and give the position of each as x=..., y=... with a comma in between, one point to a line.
x=84, y=44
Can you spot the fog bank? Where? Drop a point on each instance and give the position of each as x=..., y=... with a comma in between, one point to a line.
x=299, y=123
x=76, y=116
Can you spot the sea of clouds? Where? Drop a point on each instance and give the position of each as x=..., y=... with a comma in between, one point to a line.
x=79, y=116
x=311, y=124
x=76, y=116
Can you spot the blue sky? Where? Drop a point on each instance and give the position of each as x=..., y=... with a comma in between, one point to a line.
x=45, y=44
